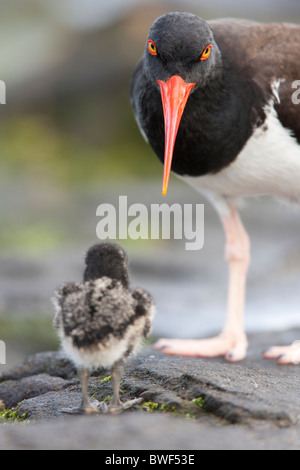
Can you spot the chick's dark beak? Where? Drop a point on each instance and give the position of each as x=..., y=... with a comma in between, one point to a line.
x=174, y=95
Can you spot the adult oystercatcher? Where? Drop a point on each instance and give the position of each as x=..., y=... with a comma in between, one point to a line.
x=100, y=321
x=215, y=102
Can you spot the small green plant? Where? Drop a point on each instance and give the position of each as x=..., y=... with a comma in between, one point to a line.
x=106, y=379
x=198, y=402
x=189, y=410
x=150, y=406
x=12, y=415
x=165, y=407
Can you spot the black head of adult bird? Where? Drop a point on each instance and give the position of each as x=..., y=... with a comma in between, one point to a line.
x=101, y=321
x=215, y=102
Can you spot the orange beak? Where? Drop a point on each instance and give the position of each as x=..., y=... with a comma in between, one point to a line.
x=174, y=95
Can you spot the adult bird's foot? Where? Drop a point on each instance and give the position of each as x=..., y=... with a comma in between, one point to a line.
x=232, y=346
x=120, y=407
x=284, y=354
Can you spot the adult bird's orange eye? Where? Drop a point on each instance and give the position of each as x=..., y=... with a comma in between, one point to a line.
x=206, y=53
x=152, y=47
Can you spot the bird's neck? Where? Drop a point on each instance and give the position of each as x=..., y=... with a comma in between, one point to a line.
x=215, y=126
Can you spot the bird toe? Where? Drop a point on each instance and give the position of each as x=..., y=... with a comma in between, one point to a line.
x=237, y=354
x=117, y=409
x=284, y=354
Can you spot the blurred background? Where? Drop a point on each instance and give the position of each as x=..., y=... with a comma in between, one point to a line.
x=69, y=142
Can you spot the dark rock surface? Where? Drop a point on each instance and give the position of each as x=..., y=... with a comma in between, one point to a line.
x=251, y=405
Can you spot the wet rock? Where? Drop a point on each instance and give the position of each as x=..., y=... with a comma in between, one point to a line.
x=251, y=405
x=13, y=392
x=50, y=405
x=52, y=363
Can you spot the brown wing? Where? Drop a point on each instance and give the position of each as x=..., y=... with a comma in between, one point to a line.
x=264, y=53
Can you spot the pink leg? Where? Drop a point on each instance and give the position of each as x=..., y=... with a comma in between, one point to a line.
x=232, y=342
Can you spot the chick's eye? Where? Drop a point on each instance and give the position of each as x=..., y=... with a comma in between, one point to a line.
x=206, y=53
x=152, y=47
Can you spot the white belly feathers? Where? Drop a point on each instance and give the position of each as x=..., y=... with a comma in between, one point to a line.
x=269, y=163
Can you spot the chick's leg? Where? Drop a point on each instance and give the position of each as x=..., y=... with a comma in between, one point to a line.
x=116, y=405
x=86, y=406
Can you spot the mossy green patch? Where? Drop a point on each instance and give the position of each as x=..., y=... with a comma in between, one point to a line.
x=12, y=415
x=150, y=406
x=198, y=402
x=189, y=409
x=106, y=379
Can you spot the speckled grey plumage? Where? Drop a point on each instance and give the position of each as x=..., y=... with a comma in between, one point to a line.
x=101, y=321
x=95, y=312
